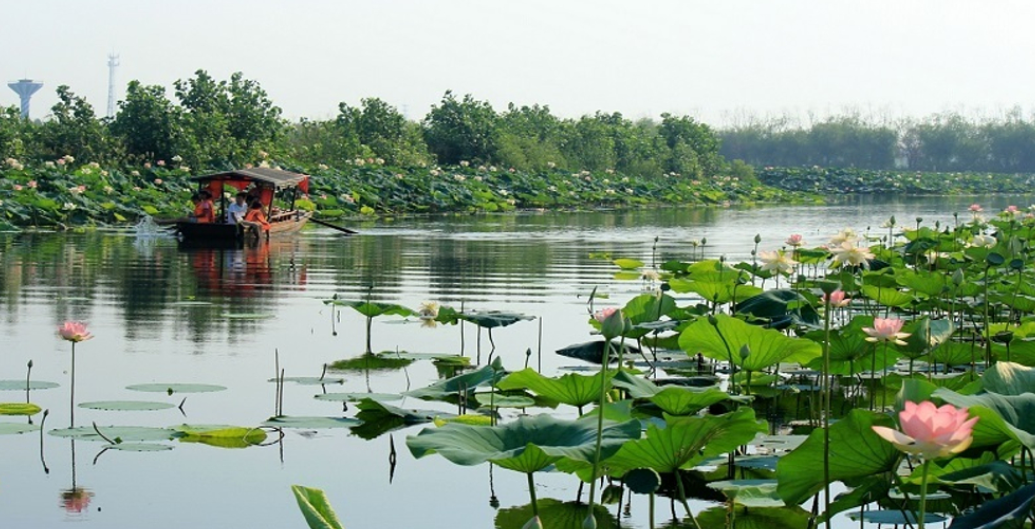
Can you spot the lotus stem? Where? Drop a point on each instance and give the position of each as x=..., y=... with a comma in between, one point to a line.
x=923, y=494
x=682, y=499
x=826, y=409
x=28, y=374
x=531, y=494
x=600, y=424
x=71, y=408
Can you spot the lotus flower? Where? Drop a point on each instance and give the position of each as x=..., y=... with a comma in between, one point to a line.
x=847, y=253
x=843, y=236
x=428, y=310
x=976, y=208
x=74, y=331
x=930, y=431
x=886, y=330
x=837, y=299
x=795, y=240
x=983, y=241
x=76, y=500
x=777, y=262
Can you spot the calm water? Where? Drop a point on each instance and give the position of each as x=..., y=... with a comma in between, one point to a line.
x=160, y=314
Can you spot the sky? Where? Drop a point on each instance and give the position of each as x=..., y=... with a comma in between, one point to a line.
x=720, y=61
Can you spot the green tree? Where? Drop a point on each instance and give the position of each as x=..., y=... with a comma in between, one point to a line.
x=147, y=123
x=383, y=130
x=15, y=134
x=73, y=129
x=461, y=130
x=694, y=148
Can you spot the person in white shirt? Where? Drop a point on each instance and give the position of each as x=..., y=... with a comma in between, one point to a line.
x=236, y=212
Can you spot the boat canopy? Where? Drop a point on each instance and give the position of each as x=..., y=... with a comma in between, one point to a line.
x=261, y=176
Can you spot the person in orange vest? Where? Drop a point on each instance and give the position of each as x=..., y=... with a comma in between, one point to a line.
x=256, y=217
x=204, y=210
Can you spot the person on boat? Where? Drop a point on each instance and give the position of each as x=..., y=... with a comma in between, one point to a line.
x=204, y=210
x=236, y=212
x=255, y=217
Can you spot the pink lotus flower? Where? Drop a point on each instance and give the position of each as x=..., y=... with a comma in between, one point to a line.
x=975, y=208
x=32, y=184
x=158, y=181
x=147, y=165
x=604, y=314
x=17, y=187
x=795, y=240
x=161, y=163
x=837, y=299
x=74, y=331
x=930, y=431
x=886, y=330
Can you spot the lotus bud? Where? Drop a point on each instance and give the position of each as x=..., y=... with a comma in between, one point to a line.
x=590, y=522
x=758, y=238
x=704, y=241
x=891, y=221
x=745, y=352
x=612, y=323
x=957, y=277
x=713, y=320
x=30, y=364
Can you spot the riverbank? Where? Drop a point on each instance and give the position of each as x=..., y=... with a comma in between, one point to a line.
x=64, y=194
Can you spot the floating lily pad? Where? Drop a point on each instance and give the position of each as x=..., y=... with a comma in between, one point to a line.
x=497, y=400
x=356, y=397
x=124, y=433
x=140, y=447
x=313, y=423
x=176, y=388
x=469, y=419
x=127, y=405
x=894, y=517
x=18, y=408
x=311, y=381
x=366, y=362
x=10, y=428
x=246, y=316
x=19, y=385
x=750, y=492
x=221, y=435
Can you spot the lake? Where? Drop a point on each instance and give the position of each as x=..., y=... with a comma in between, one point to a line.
x=162, y=314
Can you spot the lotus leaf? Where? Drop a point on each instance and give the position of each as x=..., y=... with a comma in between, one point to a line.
x=176, y=388
x=126, y=405
x=380, y=418
x=1009, y=509
x=9, y=428
x=925, y=335
x=887, y=296
x=685, y=441
x=755, y=518
x=18, y=408
x=527, y=445
x=370, y=362
x=555, y=514
x=21, y=385
x=315, y=508
x=1008, y=378
x=750, y=492
x=493, y=318
x=371, y=309
x=767, y=347
x=780, y=307
x=855, y=452
x=594, y=351
x=464, y=383
x=894, y=517
x=571, y=389
x=311, y=381
x=628, y=264
x=496, y=399
x=310, y=423
x=676, y=400
x=221, y=436
x=356, y=397
x=139, y=447
x=118, y=433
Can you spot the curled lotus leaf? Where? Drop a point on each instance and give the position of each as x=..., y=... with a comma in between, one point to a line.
x=528, y=444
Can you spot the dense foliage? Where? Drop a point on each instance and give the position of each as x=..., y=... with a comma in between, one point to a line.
x=828, y=181
x=946, y=142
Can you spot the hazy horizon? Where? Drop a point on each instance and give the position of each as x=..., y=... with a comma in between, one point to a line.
x=713, y=62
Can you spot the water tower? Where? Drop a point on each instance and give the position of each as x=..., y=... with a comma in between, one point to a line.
x=25, y=88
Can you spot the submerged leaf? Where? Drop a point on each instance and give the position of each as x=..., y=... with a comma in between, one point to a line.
x=310, y=423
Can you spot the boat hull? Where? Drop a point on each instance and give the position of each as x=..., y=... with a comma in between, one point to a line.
x=284, y=224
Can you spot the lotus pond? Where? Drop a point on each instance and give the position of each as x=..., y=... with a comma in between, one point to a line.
x=218, y=378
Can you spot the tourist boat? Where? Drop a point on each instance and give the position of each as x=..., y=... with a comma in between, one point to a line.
x=277, y=190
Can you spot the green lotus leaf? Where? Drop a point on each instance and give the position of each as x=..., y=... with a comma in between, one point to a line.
x=20, y=385
x=1000, y=512
x=371, y=309
x=571, y=389
x=1008, y=378
x=19, y=408
x=648, y=308
x=380, y=418
x=490, y=319
x=356, y=397
x=627, y=275
x=856, y=451
x=925, y=335
x=923, y=281
x=176, y=388
x=677, y=400
x=642, y=480
x=221, y=435
x=594, y=351
x=499, y=400
x=465, y=383
x=10, y=428
x=119, y=433
x=775, y=306
x=311, y=381
x=469, y=419
x=315, y=508
x=370, y=362
x=886, y=296
x=716, y=291
x=755, y=518
x=126, y=405
x=750, y=492
x=628, y=264
x=637, y=386
x=528, y=444
x=895, y=517
x=310, y=423
x=686, y=441
x=767, y=347
x=555, y=515
x=139, y=447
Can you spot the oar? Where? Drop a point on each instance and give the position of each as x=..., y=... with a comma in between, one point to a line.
x=335, y=226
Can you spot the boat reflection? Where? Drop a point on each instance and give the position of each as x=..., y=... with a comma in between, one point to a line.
x=242, y=271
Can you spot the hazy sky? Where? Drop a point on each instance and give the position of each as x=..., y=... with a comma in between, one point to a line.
x=713, y=60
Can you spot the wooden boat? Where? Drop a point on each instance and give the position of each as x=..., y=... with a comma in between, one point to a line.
x=277, y=190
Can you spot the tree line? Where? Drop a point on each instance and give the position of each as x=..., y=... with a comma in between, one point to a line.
x=217, y=124
x=947, y=142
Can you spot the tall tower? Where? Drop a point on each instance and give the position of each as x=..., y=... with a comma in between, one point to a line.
x=113, y=62
x=25, y=88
